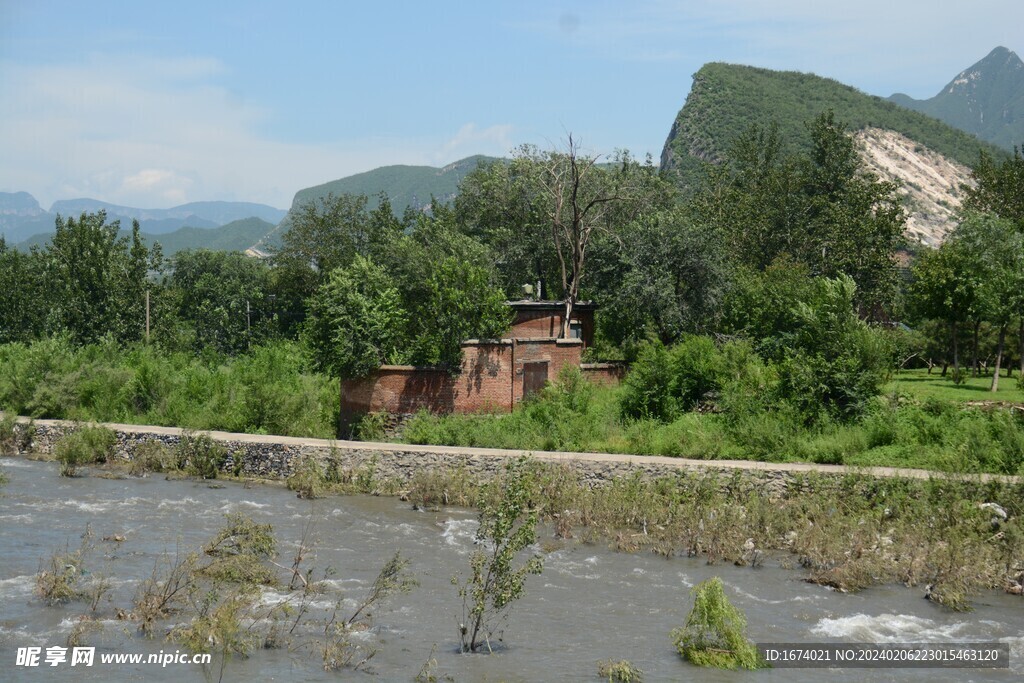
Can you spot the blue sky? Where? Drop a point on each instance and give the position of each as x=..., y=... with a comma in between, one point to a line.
x=158, y=103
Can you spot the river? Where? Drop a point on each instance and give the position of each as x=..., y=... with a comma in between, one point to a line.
x=590, y=603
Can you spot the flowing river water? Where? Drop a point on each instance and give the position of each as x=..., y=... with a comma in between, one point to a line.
x=590, y=603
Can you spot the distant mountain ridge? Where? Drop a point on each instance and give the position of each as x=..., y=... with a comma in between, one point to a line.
x=200, y=214
x=986, y=99
x=404, y=185
x=234, y=236
x=21, y=217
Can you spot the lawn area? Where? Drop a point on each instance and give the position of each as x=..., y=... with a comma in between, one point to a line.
x=920, y=385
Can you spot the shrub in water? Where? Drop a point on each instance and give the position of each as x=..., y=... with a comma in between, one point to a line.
x=714, y=634
x=622, y=671
x=200, y=456
x=85, y=446
x=153, y=456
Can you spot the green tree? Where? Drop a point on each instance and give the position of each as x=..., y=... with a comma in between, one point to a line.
x=664, y=277
x=819, y=207
x=97, y=280
x=996, y=252
x=461, y=304
x=447, y=281
x=25, y=301
x=715, y=631
x=222, y=298
x=830, y=362
x=543, y=213
x=945, y=285
x=356, y=322
x=508, y=526
x=998, y=188
x=325, y=234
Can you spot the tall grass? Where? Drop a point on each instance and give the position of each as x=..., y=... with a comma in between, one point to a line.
x=896, y=431
x=267, y=391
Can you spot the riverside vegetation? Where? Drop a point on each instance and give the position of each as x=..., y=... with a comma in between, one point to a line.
x=213, y=595
x=953, y=537
x=736, y=411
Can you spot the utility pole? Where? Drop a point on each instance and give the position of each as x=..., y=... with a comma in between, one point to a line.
x=248, y=323
x=147, y=316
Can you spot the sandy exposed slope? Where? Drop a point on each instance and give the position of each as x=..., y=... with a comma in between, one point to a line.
x=929, y=181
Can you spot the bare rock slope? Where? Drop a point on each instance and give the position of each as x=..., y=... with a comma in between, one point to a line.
x=930, y=183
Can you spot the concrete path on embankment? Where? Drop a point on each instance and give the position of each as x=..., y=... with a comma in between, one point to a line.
x=612, y=459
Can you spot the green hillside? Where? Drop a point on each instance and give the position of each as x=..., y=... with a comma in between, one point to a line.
x=404, y=185
x=727, y=99
x=986, y=99
x=235, y=236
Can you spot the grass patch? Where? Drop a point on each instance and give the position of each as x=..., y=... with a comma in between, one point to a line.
x=918, y=384
x=897, y=430
x=267, y=391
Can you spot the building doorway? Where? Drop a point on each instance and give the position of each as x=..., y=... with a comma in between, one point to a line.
x=535, y=376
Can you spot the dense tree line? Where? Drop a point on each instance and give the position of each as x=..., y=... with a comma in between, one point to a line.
x=793, y=253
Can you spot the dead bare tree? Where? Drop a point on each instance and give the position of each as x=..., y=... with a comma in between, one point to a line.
x=580, y=196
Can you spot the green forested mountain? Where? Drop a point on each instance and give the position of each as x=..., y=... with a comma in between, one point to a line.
x=727, y=99
x=404, y=185
x=986, y=99
x=235, y=236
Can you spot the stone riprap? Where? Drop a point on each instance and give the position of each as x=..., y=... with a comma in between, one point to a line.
x=272, y=457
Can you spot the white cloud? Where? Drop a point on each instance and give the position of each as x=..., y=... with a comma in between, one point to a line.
x=159, y=132
x=471, y=139
x=872, y=44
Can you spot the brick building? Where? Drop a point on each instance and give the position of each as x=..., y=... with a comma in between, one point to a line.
x=495, y=374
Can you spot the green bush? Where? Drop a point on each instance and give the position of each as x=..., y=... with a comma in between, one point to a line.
x=715, y=631
x=371, y=427
x=85, y=446
x=200, y=456
x=267, y=391
x=665, y=382
x=153, y=456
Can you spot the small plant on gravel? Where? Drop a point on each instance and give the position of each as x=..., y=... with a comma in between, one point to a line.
x=166, y=591
x=239, y=551
x=715, y=631
x=309, y=479
x=153, y=456
x=60, y=580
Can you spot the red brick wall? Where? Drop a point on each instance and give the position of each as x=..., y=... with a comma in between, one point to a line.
x=608, y=374
x=535, y=324
x=491, y=379
x=557, y=352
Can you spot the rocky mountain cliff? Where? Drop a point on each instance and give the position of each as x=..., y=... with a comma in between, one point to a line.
x=986, y=99
x=929, y=158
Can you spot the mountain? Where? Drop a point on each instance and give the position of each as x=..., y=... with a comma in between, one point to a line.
x=21, y=216
x=986, y=100
x=930, y=158
x=405, y=186
x=23, y=220
x=234, y=236
x=157, y=221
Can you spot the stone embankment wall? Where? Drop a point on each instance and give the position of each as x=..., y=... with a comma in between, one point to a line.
x=278, y=456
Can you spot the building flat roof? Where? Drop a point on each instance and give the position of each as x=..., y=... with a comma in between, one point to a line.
x=530, y=304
